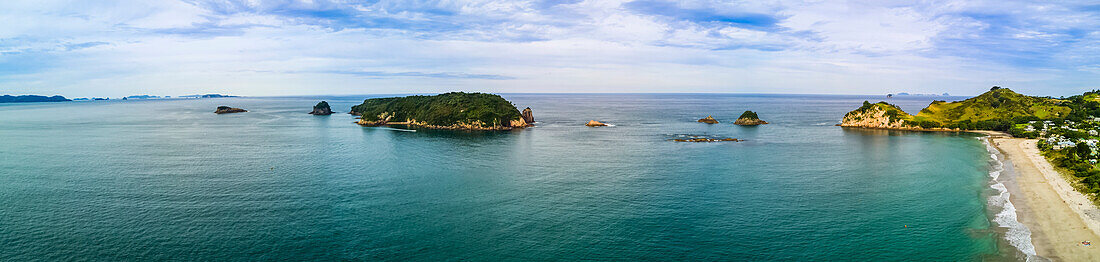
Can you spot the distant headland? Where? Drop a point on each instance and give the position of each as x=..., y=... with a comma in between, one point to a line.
x=998, y=109
x=31, y=98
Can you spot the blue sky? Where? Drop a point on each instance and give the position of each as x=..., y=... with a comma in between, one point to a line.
x=253, y=47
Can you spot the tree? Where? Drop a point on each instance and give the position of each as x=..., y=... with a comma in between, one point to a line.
x=994, y=88
x=1083, y=150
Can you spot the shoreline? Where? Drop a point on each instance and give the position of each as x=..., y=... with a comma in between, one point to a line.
x=1052, y=210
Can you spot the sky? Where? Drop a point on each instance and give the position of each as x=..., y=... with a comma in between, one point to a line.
x=320, y=47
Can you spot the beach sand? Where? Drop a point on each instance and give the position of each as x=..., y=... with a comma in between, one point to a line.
x=1057, y=215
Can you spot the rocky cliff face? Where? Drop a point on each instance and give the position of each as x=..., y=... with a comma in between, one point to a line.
x=879, y=115
x=527, y=116
x=749, y=122
x=708, y=120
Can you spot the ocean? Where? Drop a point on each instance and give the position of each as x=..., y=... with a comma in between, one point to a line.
x=170, y=180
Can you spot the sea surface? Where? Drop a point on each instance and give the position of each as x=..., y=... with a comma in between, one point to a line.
x=170, y=180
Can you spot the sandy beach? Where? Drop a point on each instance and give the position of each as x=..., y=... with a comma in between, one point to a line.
x=1058, y=216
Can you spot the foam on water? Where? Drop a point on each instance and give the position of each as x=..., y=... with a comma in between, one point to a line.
x=1017, y=234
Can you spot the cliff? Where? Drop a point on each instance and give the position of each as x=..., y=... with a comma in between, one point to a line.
x=321, y=109
x=31, y=98
x=456, y=110
x=878, y=115
x=749, y=118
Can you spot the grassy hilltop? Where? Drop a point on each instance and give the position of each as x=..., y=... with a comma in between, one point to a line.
x=997, y=109
x=450, y=109
x=993, y=110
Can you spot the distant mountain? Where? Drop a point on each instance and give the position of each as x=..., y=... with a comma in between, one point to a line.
x=207, y=96
x=144, y=97
x=31, y=98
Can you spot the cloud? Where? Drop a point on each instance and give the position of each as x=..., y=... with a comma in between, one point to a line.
x=249, y=47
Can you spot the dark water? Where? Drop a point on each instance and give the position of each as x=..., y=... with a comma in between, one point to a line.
x=170, y=180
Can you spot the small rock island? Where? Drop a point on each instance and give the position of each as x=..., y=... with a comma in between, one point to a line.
x=749, y=118
x=321, y=109
x=228, y=110
x=594, y=123
x=528, y=116
x=708, y=120
x=455, y=111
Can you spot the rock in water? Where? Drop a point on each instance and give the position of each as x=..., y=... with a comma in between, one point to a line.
x=321, y=109
x=708, y=120
x=227, y=110
x=749, y=118
x=595, y=123
x=528, y=117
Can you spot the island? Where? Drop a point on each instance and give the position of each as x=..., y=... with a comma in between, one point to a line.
x=749, y=118
x=228, y=110
x=998, y=109
x=708, y=120
x=207, y=96
x=455, y=111
x=31, y=98
x=321, y=109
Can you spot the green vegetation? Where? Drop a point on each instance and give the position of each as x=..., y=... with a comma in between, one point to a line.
x=456, y=108
x=1075, y=161
x=749, y=115
x=892, y=111
x=321, y=105
x=999, y=109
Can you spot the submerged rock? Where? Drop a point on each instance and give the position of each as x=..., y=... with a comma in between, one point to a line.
x=708, y=120
x=749, y=118
x=227, y=110
x=595, y=123
x=704, y=140
x=321, y=109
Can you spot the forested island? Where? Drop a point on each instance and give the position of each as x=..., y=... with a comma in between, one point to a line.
x=31, y=98
x=455, y=110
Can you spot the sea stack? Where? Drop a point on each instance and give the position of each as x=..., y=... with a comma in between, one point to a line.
x=749, y=118
x=708, y=120
x=594, y=123
x=528, y=116
x=227, y=110
x=321, y=109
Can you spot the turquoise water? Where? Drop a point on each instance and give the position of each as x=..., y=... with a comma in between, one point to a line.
x=170, y=180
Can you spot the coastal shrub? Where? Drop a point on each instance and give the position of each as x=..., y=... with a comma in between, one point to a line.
x=752, y=115
x=320, y=105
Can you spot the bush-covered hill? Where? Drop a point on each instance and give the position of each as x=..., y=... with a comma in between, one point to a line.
x=450, y=109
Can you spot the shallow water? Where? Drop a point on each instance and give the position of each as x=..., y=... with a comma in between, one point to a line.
x=170, y=180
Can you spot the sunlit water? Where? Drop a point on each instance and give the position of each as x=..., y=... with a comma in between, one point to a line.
x=171, y=180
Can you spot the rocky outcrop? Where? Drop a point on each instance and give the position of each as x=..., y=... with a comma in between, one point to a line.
x=594, y=123
x=227, y=110
x=749, y=118
x=878, y=115
x=321, y=109
x=527, y=116
x=708, y=120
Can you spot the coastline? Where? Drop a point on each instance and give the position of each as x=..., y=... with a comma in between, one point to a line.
x=1052, y=210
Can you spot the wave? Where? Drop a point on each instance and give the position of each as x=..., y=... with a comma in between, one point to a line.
x=1017, y=234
